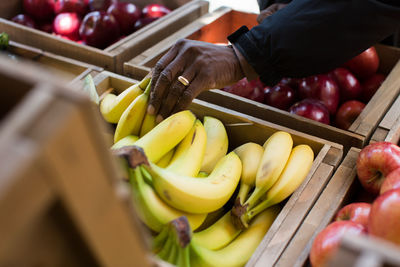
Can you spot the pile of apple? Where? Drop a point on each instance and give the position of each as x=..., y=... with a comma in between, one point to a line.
x=378, y=170
x=335, y=98
x=97, y=23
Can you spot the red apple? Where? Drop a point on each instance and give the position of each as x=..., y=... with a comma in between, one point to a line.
x=126, y=14
x=292, y=82
x=25, y=20
x=67, y=25
x=327, y=241
x=320, y=87
x=349, y=86
x=365, y=64
x=99, y=29
x=375, y=162
x=384, y=219
x=39, y=9
x=155, y=11
x=75, y=6
x=348, y=113
x=257, y=95
x=355, y=212
x=46, y=27
x=312, y=109
x=371, y=85
x=241, y=88
x=99, y=5
x=280, y=96
x=392, y=181
x=140, y=23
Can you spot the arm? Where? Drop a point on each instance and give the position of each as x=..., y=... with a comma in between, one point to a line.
x=314, y=36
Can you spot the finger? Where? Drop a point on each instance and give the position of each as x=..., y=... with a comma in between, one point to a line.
x=158, y=68
x=174, y=93
x=166, y=77
x=195, y=87
x=263, y=15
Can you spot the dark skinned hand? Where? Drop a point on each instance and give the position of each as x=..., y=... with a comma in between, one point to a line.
x=204, y=65
x=265, y=13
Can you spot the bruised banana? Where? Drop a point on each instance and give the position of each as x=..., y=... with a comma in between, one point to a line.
x=217, y=143
x=239, y=251
x=152, y=210
x=218, y=235
x=198, y=195
x=126, y=141
x=250, y=154
x=277, y=150
x=112, y=106
x=166, y=135
x=189, y=154
x=296, y=170
x=132, y=118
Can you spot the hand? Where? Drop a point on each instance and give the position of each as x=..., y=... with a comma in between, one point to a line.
x=204, y=65
x=269, y=11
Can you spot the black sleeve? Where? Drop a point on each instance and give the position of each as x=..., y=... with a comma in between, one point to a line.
x=263, y=4
x=314, y=36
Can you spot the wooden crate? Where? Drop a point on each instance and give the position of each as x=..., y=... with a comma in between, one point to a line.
x=242, y=128
x=61, y=202
x=212, y=27
x=389, y=128
x=358, y=134
x=113, y=57
x=71, y=69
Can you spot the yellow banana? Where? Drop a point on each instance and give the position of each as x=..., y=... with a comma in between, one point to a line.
x=250, y=154
x=132, y=118
x=202, y=175
x=296, y=170
x=218, y=235
x=152, y=210
x=217, y=143
x=112, y=106
x=198, y=195
x=189, y=154
x=277, y=149
x=149, y=122
x=166, y=135
x=126, y=141
x=239, y=251
x=166, y=159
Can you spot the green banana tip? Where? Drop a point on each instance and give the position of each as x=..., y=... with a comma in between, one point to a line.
x=134, y=155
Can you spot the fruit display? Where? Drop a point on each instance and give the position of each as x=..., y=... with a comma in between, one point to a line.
x=97, y=23
x=378, y=212
x=202, y=201
x=336, y=98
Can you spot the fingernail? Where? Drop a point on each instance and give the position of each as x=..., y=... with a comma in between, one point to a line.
x=159, y=119
x=150, y=110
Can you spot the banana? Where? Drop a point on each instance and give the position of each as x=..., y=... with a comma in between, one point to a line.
x=198, y=195
x=160, y=239
x=250, y=154
x=183, y=257
x=202, y=175
x=149, y=122
x=212, y=218
x=126, y=141
x=112, y=106
x=152, y=210
x=296, y=170
x=167, y=247
x=217, y=143
x=166, y=159
x=132, y=118
x=166, y=135
x=239, y=251
x=189, y=154
x=277, y=149
x=218, y=235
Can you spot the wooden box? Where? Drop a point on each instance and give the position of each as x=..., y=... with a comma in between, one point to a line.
x=358, y=134
x=242, y=128
x=61, y=202
x=112, y=57
x=71, y=69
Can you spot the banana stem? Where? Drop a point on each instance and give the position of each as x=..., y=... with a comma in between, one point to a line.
x=259, y=208
x=160, y=239
x=254, y=197
x=183, y=257
x=144, y=83
x=147, y=91
x=243, y=192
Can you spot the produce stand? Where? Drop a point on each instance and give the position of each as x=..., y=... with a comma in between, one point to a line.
x=113, y=57
x=219, y=23
x=242, y=128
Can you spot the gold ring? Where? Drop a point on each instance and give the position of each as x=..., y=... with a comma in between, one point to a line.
x=183, y=80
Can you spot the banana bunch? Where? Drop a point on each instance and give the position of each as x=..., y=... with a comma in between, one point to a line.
x=177, y=245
